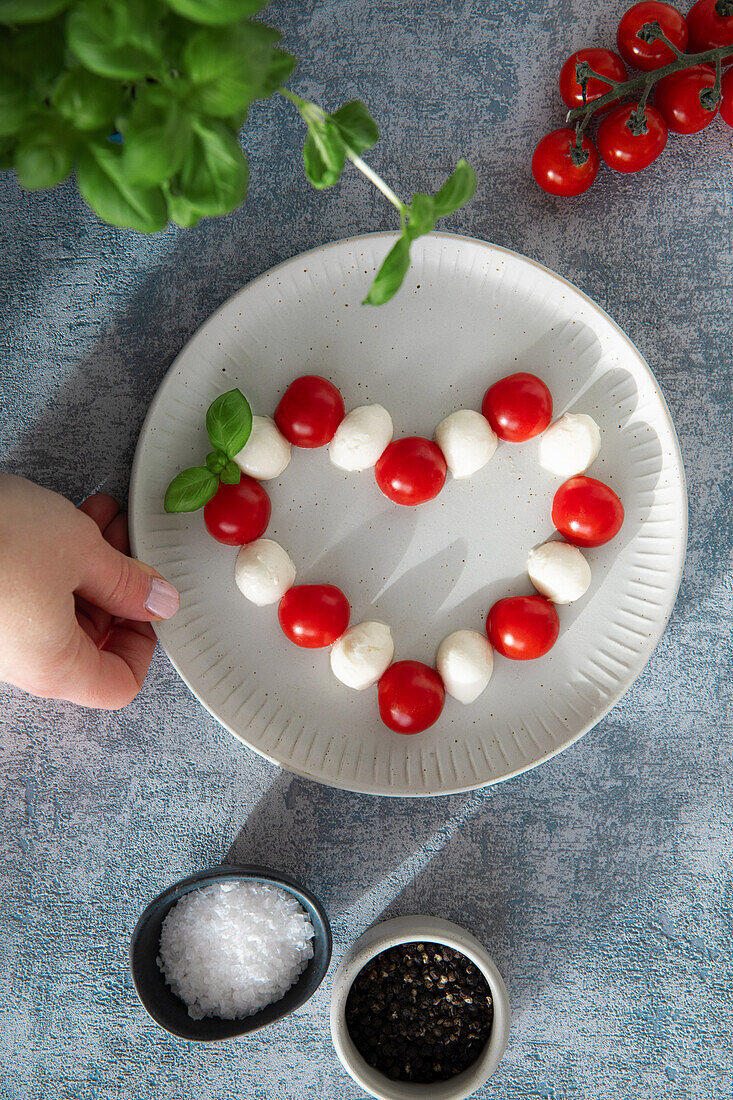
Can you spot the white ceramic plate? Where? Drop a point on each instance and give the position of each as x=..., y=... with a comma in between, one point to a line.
x=468, y=314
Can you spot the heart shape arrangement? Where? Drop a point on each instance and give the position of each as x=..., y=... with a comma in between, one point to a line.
x=410, y=471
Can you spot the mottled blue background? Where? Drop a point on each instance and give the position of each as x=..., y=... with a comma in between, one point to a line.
x=601, y=882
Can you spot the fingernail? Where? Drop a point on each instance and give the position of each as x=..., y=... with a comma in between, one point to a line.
x=162, y=599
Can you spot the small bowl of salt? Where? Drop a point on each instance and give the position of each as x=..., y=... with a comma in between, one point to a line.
x=228, y=951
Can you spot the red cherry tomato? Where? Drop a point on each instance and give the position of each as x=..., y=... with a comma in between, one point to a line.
x=310, y=411
x=587, y=512
x=709, y=27
x=678, y=99
x=411, y=470
x=518, y=407
x=554, y=169
x=650, y=55
x=523, y=627
x=238, y=513
x=726, y=103
x=625, y=151
x=411, y=696
x=604, y=62
x=314, y=615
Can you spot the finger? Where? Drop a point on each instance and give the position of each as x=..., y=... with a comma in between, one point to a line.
x=93, y=619
x=109, y=678
x=116, y=533
x=126, y=588
x=101, y=507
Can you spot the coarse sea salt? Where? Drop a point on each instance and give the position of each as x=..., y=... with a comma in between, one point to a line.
x=229, y=949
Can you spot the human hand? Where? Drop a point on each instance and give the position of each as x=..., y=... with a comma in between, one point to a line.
x=75, y=610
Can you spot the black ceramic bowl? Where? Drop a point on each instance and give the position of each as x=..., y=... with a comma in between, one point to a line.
x=169, y=1011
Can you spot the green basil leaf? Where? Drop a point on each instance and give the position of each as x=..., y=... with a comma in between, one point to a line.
x=30, y=11
x=157, y=134
x=86, y=100
x=388, y=279
x=215, y=12
x=180, y=210
x=216, y=461
x=229, y=66
x=456, y=191
x=102, y=182
x=36, y=54
x=44, y=156
x=229, y=422
x=324, y=154
x=356, y=126
x=118, y=40
x=213, y=176
x=7, y=149
x=13, y=103
x=281, y=68
x=422, y=216
x=231, y=474
x=190, y=490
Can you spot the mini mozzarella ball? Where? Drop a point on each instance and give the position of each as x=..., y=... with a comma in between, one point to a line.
x=559, y=571
x=266, y=453
x=264, y=571
x=570, y=445
x=465, y=663
x=361, y=438
x=467, y=441
x=362, y=654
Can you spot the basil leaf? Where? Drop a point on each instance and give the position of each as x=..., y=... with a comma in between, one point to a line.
x=30, y=11
x=215, y=12
x=7, y=149
x=422, y=216
x=157, y=135
x=216, y=461
x=102, y=182
x=36, y=54
x=180, y=210
x=44, y=156
x=229, y=422
x=229, y=66
x=118, y=40
x=231, y=474
x=388, y=279
x=456, y=191
x=13, y=103
x=213, y=176
x=190, y=490
x=86, y=100
x=281, y=67
x=356, y=126
x=324, y=154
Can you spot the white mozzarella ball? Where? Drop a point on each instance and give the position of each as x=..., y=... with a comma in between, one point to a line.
x=570, y=445
x=362, y=654
x=559, y=571
x=264, y=571
x=465, y=663
x=361, y=438
x=266, y=453
x=467, y=441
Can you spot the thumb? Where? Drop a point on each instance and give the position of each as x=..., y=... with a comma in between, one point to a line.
x=126, y=588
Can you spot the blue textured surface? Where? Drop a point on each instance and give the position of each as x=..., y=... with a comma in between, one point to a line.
x=601, y=882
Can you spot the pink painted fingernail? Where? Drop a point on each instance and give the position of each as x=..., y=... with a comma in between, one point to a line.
x=162, y=598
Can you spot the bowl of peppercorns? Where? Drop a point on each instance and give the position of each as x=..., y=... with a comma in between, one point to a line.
x=419, y=1011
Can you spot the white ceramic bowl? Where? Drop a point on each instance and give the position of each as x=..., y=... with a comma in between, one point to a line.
x=379, y=938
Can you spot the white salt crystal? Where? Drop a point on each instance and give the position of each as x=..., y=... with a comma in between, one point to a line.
x=229, y=949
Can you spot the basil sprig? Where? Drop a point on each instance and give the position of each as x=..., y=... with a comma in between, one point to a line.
x=228, y=424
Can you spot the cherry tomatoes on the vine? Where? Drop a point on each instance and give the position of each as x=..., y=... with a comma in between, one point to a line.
x=523, y=627
x=411, y=696
x=587, y=512
x=554, y=164
x=310, y=411
x=621, y=148
x=314, y=615
x=710, y=23
x=411, y=470
x=518, y=407
x=726, y=103
x=239, y=513
x=650, y=55
x=603, y=62
x=685, y=101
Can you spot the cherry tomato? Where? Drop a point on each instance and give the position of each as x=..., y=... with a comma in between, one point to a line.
x=678, y=99
x=587, y=512
x=310, y=411
x=411, y=470
x=314, y=615
x=604, y=62
x=553, y=166
x=650, y=55
x=238, y=513
x=625, y=151
x=726, y=103
x=518, y=407
x=523, y=627
x=710, y=27
x=411, y=696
